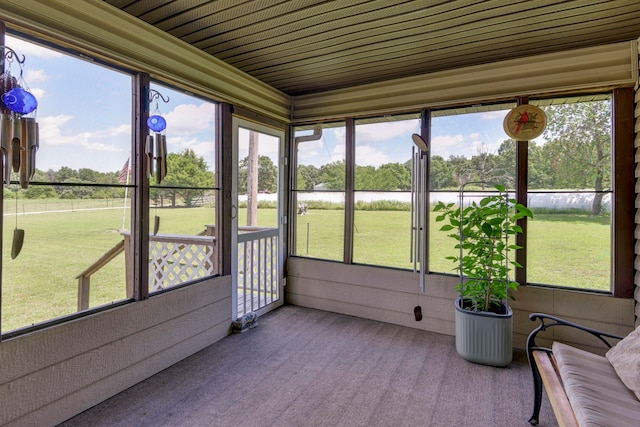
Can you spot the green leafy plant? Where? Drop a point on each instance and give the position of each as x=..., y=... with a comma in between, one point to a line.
x=483, y=231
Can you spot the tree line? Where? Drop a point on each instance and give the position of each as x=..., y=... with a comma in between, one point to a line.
x=576, y=155
x=188, y=177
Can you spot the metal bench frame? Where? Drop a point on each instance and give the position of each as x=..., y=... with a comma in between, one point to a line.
x=545, y=371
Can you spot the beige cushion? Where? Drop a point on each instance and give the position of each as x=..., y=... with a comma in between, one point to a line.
x=596, y=394
x=625, y=359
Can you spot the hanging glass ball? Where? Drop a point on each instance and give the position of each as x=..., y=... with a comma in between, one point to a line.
x=20, y=101
x=156, y=123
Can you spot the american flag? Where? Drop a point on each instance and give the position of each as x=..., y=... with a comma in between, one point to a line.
x=124, y=173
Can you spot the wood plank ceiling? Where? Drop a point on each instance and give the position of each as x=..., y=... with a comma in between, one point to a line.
x=309, y=46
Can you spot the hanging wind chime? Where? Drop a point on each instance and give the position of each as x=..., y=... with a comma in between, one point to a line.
x=19, y=139
x=156, y=147
x=418, y=215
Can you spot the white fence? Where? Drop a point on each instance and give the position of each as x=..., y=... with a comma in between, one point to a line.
x=551, y=200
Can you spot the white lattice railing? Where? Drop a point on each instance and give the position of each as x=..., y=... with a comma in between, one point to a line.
x=258, y=284
x=176, y=259
x=173, y=259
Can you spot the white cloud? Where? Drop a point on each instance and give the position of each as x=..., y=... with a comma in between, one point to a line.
x=203, y=149
x=35, y=76
x=385, y=131
x=22, y=47
x=305, y=156
x=370, y=156
x=189, y=119
x=51, y=133
x=98, y=146
x=494, y=115
x=338, y=153
x=309, y=150
x=268, y=145
x=120, y=130
x=443, y=145
x=38, y=93
x=50, y=129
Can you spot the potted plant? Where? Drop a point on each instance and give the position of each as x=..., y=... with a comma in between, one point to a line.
x=482, y=230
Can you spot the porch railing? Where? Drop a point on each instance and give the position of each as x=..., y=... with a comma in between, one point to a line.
x=257, y=268
x=173, y=259
x=176, y=259
x=84, y=278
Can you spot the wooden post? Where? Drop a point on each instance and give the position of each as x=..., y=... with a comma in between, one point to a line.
x=225, y=205
x=127, y=266
x=623, y=210
x=522, y=178
x=252, y=180
x=84, y=290
x=139, y=245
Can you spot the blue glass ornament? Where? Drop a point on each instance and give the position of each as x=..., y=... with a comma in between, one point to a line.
x=20, y=101
x=156, y=123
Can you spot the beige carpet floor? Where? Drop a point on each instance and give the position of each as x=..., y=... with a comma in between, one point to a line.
x=305, y=367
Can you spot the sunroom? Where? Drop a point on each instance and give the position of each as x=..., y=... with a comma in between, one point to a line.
x=198, y=161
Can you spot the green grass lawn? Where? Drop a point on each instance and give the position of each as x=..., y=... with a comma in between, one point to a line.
x=564, y=250
x=40, y=284
x=569, y=250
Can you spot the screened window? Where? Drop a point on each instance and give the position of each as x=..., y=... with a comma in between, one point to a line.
x=63, y=230
x=565, y=176
x=182, y=188
x=319, y=192
x=383, y=182
x=570, y=192
x=468, y=145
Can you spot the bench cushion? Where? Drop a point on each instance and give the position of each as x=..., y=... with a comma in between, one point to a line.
x=597, y=395
x=625, y=359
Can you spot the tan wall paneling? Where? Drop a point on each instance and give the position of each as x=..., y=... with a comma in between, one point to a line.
x=636, y=145
x=53, y=374
x=580, y=69
x=114, y=35
x=390, y=295
x=373, y=293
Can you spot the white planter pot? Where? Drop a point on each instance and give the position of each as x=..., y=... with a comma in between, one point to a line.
x=484, y=337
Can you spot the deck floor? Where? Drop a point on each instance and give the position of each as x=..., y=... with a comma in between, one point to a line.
x=257, y=301
x=305, y=367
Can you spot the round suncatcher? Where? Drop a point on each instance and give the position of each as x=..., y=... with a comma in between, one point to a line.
x=525, y=122
x=156, y=123
x=20, y=101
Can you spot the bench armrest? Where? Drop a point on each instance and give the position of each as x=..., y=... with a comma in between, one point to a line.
x=548, y=321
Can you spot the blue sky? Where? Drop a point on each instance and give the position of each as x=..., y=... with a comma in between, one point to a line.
x=84, y=112
x=84, y=116
x=387, y=142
